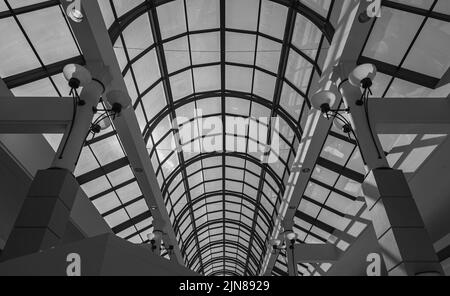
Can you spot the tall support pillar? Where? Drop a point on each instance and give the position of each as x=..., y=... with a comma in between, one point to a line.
x=406, y=246
x=46, y=210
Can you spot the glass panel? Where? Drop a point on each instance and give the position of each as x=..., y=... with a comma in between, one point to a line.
x=138, y=36
x=106, y=203
x=129, y=192
x=177, y=54
x=319, y=6
x=349, y=186
x=317, y=192
x=116, y=218
x=210, y=105
x=443, y=6
x=124, y=6
x=324, y=175
x=380, y=84
x=137, y=208
x=171, y=18
x=120, y=54
x=306, y=36
x=203, y=14
x=298, y=71
x=207, y=78
x=107, y=12
x=404, y=89
x=240, y=48
x=49, y=34
x=264, y=85
x=154, y=101
x=40, y=88
x=205, y=48
x=129, y=82
x=237, y=106
x=291, y=101
x=268, y=56
x=424, y=4
x=181, y=85
x=107, y=150
x=86, y=162
x=17, y=55
x=356, y=163
x=238, y=78
x=273, y=19
x=392, y=35
x=166, y=147
x=121, y=175
x=241, y=14
x=146, y=70
x=429, y=54
x=337, y=150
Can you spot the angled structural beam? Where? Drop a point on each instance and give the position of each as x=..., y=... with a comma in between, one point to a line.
x=347, y=43
x=410, y=115
x=93, y=38
x=35, y=115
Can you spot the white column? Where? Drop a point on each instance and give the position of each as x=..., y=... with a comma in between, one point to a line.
x=406, y=246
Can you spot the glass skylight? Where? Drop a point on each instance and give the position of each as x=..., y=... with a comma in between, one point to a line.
x=226, y=196
x=199, y=61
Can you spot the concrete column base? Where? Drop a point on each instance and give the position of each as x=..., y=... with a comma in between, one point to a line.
x=405, y=244
x=42, y=221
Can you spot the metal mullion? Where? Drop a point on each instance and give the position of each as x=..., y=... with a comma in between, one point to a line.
x=40, y=73
x=342, y=137
x=122, y=206
x=223, y=106
x=112, y=189
x=319, y=204
x=310, y=220
x=129, y=63
x=28, y=8
x=331, y=188
x=139, y=232
x=103, y=170
x=247, y=96
x=329, y=193
x=307, y=57
x=216, y=154
x=132, y=222
x=212, y=194
x=341, y=170
x=110, y=184
x=290, y=23
x=417, y=10
x=218, y=242
x=249, y=32
x=154, y=24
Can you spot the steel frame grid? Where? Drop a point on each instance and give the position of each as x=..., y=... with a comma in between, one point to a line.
x=55, y=68
x=398, y=71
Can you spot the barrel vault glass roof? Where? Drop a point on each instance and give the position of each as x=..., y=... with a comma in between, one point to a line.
x=229, y=58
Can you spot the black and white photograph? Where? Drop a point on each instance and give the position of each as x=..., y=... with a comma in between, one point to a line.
x=216, y=147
